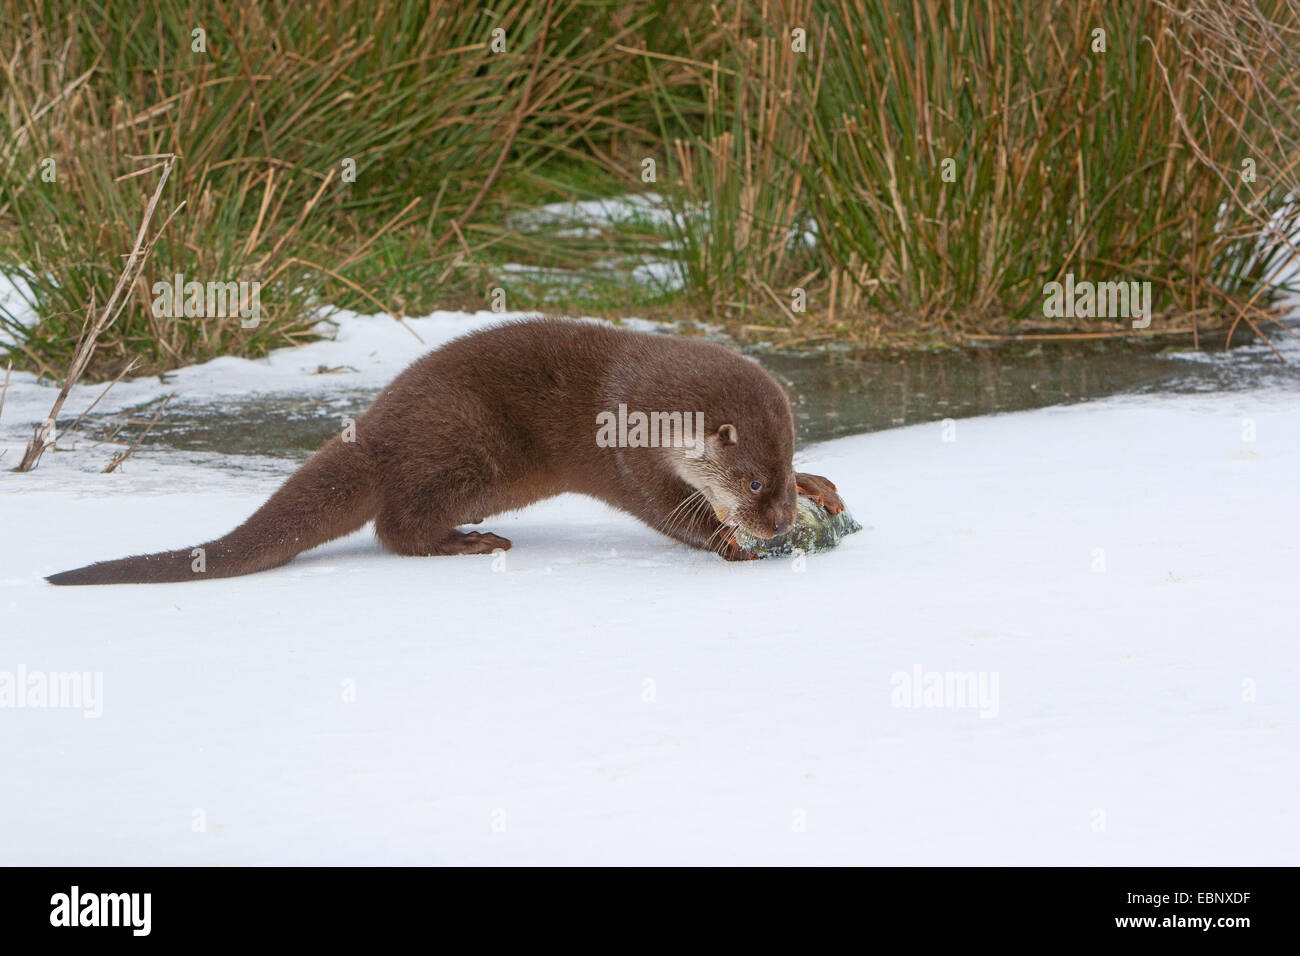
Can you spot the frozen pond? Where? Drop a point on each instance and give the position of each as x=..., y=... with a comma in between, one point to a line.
x=833, y=394
x=1114, y=580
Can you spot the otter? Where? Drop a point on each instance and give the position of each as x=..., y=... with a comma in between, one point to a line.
x=500, y=418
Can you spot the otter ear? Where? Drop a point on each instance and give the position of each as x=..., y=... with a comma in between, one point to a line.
x=727, y=434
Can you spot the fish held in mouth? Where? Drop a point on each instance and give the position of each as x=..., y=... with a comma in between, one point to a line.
x=820, y=524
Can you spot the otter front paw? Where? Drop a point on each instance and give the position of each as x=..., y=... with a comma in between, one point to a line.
x=732, y=551
x=819, y=490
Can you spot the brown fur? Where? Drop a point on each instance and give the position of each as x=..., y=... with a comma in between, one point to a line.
x=502, y=418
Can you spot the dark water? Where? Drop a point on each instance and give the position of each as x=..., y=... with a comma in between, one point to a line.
x=832, y=394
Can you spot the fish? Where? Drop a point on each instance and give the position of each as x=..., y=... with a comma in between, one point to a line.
x=815, y=529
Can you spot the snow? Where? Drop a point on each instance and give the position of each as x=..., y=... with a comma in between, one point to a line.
x=591, y=219
x=361, y=351
x=15, y=306
x=1120, y=574
x=588, y=217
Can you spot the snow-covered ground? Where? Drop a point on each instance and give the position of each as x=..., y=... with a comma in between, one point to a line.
x=1117, y=581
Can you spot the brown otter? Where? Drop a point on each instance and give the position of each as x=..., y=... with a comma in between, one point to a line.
x=504, y=417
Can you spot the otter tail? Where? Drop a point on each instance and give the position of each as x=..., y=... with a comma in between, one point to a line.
x=333, y=494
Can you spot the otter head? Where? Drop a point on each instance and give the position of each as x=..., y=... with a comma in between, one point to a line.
x=745, y=473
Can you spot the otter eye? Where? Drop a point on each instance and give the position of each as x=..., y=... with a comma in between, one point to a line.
x=755, y=486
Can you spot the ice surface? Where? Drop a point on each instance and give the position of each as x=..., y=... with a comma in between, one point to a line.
x=1115, y=580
